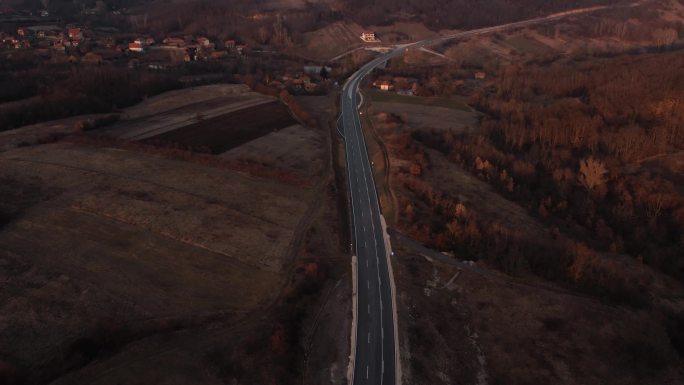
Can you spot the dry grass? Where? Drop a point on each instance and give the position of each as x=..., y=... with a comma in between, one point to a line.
x=181, y=98
x=197, y=113
x=391, y=97
x=293, y=149
x=332, y=40
x=126, y=263
x=96, y=233
x=156, y=193
x=518, y=333
x=43, y=132
x=428, y=117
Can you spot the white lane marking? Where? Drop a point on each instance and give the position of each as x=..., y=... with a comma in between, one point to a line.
x=383, y=367
x=382, y=332
x=368, y=283
x=366, y=372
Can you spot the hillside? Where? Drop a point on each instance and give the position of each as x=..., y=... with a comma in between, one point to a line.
x=124, y=261
x=538, y=232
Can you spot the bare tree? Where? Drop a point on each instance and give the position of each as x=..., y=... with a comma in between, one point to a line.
x=592, y=173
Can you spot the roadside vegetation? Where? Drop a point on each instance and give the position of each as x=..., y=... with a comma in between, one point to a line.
x=566, y=190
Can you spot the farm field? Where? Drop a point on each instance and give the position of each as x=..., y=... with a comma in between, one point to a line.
x=175, y=109
x=508, y=330
x=121, y=257
x=135, y=239
x=222, y=133
x=292, y=149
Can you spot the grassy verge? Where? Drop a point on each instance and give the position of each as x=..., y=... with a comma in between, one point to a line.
x=391, y=97
x=381, y=167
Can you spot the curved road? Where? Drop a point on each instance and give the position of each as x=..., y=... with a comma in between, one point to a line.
x=375, y=360
x=375, y=345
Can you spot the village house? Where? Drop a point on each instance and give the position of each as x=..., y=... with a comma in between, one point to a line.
x=203, y=41
x=369, y=37
x=480, y=75
x=135, y=47
x=229, y=44
x=74, y=33
x=9, y=40
x=383, y=85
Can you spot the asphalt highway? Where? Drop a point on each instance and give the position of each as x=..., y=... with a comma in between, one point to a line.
x=375, y=345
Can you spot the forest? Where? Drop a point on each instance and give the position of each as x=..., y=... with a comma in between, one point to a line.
x=462, y=14
x=576, y=143
x=40, y=92
x=77, y=91
x=591, y=148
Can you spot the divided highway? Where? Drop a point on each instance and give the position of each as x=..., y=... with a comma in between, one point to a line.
x=375, y=344
x=376, y=348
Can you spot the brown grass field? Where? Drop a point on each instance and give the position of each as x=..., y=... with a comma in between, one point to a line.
x=123, y=262
x=471, y=324
x=94, y=234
